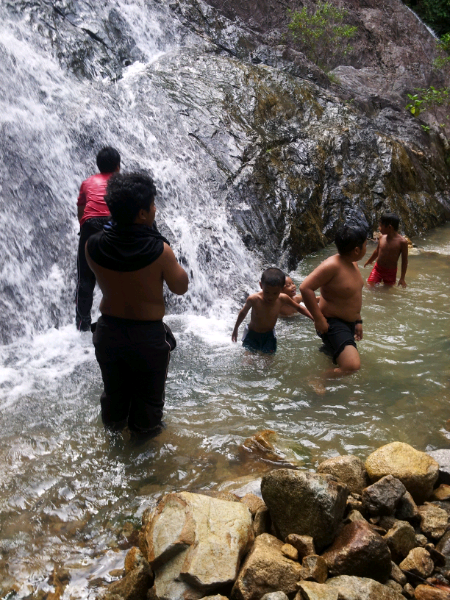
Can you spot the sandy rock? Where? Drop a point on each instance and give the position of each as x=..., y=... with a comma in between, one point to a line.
x=252, y=502
x=416, y=470
x=135, y=585
x=360, y=552
x=289, y=551
x=304, y=503
x=421, y=540
x=314, y=568
x=309, y=590
x=390, y=583
x=408, y=590
x=401, y=539
x=195, y=543
x=354, y=515
x=433, y=520
x=275, y=596
x=354, y=502
x=348, y=469
x=407, y=508
x=266, y=570
x=261, y=521
x=362, y=588
x=418, y=562
x=427, y=592
x=383, y=497
x=397, y=574
x=441, y=493
x=303, y=543
x=134, y=559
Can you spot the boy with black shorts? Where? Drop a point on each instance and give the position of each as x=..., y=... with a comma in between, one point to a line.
x=337, y=316
x=265, y=306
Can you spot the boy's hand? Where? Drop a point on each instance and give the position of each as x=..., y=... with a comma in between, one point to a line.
x=358, y=332
x=368, y=262
x=402, y=282
x=321, y=325
x=234, y=336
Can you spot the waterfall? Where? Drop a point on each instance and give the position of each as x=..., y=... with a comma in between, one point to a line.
x=136, y=96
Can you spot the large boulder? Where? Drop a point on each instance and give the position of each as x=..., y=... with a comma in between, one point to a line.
x=362, y=588
x=416, y=470
x=359, y=551
x=266, y=570
x=195, y=544
x=304, y=503
x=348, y=469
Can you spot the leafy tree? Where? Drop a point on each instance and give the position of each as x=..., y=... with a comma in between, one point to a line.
x=322, y=35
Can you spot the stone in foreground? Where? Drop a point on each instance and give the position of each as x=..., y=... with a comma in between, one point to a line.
x=304, y=503
x=416, y=470
x=362, y=588
x=418, y=563
x=266, y=570
x=195, y=544
x=348, y=469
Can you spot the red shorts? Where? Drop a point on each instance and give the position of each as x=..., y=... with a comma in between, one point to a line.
x=382, y=274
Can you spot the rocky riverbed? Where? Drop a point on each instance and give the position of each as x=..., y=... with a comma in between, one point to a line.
x=377, y=530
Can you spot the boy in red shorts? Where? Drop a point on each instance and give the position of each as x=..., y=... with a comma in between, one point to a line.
x=390, y=246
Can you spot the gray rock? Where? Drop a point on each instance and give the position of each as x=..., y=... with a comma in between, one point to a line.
x=442, y=457
x=348, y=469
x=401, y=539
x=407, y=508
x=383, y=497
x=359, y=551
x=304, y=503
x=362, y=588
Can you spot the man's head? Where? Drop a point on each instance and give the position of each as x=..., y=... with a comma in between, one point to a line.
x=387, y=219
x=272, y=283
x=349, y=238
x=130, y=198
x=108, y=160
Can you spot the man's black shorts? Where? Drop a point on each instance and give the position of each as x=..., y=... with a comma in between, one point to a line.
x=340, y=334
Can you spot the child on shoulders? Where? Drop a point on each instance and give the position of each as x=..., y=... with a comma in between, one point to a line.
x=389, y=248
x=265, y=308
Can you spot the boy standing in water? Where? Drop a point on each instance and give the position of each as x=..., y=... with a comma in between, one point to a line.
x=390, y=246
x=265, y=306
x=290, y=290
x=337, y=316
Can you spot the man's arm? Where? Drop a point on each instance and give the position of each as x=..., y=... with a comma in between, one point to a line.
x=173, y=273
x=322, y=275
x=241, y=316
x=288, y=301
x=404, y=247
x=374, y=255
x=80, y=212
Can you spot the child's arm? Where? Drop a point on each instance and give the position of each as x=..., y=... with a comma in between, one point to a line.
x=404, y=247
x=374, y=255
x=288, y=301
x=241, y=316
x=322, y=275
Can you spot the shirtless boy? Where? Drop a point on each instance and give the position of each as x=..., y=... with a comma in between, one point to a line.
x=265, y=309
x=390, y=246
x=337, y=316
x=290, y=290
x=131, y=261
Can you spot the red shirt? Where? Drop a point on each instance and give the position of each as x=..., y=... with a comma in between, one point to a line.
x=91, y=196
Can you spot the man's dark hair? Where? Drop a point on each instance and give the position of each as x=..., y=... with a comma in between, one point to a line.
x=108, y=159
x=387, y=219
x=127, y=193
x=350, y=237
x=273, y=277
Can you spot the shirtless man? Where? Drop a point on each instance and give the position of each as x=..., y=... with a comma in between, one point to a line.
x=389, y=248
x=131, y=260
x=337, y=316
x=265, y=309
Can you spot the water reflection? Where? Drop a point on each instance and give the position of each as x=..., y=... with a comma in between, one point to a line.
x=71, y=494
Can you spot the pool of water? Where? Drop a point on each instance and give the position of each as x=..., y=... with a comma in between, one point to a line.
x=70, y=493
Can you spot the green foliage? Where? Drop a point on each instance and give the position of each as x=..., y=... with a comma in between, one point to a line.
x=434, y=101
x=435, y=13
x=322, y=35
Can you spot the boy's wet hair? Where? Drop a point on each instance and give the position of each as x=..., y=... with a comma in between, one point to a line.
x=108, y=159
x=350, y=237
x=387, y=219
x=127, y=193
x=273, y=277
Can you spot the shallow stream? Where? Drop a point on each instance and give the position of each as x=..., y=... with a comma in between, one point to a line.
x=71, y=494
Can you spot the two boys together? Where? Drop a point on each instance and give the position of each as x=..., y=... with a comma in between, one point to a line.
x=337, y=312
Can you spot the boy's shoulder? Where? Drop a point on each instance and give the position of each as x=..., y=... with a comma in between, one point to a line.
x=254, y=297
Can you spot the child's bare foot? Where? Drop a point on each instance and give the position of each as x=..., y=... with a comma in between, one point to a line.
x=317, y=385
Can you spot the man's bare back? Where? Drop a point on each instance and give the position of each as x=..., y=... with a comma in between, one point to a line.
x=139, y=294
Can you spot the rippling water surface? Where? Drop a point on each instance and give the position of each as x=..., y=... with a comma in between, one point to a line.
x=71, y=493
